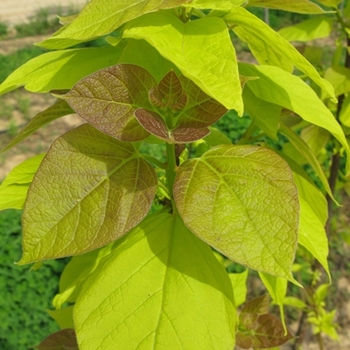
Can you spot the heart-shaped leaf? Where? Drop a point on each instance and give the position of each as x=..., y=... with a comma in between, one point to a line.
x=90, y=190
x=108, y=99
x=160, y=288
x=242, y=199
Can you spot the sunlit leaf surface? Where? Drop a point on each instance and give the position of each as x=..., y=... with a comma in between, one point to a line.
x=160, y=288
x=242, y=201
x=101, y=17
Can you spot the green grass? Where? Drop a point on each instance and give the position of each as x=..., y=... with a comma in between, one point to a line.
x=25, y=294
x=39, y=24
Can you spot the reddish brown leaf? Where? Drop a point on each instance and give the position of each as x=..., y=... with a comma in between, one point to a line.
x=61, y=340
x=201, y=110
x=258, y=305
x=184, y=134
x=153, y=123
x=107, y=99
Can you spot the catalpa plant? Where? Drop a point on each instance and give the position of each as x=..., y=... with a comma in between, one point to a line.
x=169, y=72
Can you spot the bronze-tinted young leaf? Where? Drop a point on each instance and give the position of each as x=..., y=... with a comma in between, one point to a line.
x=89, y=191
x=258, y=305
x=59, y=109
x=171, y=92
x=108, y=99
x=201, y=110
x=242, y=199
x=183, y=134
x=153, y=123
x=244, y=341
x=61, y=340
x=267, y=332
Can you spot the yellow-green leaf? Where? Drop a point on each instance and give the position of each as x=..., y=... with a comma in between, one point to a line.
x=298, y=6
x=101, y=17
x=58, y=70
x=313, y=28
x=281, y=88
x=201, y=49
x=13, y=190
x=240, y=199
x=161, y=288
x=270, y=48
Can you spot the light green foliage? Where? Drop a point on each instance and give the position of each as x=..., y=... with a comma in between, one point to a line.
x=216, y=74
x=313, y=28
x=101, y=17
x=151, y=281
x=173, y=286
x=13, y=190
x=299, y=6
x=270, y=48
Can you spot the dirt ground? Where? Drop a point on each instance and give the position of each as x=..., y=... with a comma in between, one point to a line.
x=12, y=12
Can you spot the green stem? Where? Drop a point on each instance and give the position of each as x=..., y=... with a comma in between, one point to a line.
x=341, y=21
x=171, y=171
x=247, y=136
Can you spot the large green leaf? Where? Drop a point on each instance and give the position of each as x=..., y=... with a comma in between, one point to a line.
x=225, y=5
x=266, y=115
x=60, y=70
x=242, y=199
x=315, y=137
x=281, y=88
x=313, y=215
x=76, y=272
x=141, y=53
x=313, y=28
x=298, y=6
x=339, y=77
x=305, y=151
x=161, y=288
x=13, y=190
x=201, y=49
x=57, y=110
x=270, y=48
x=312, y=234
x=90, y=190
x=309, y=192
x=107, y=99
x=101, y=17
